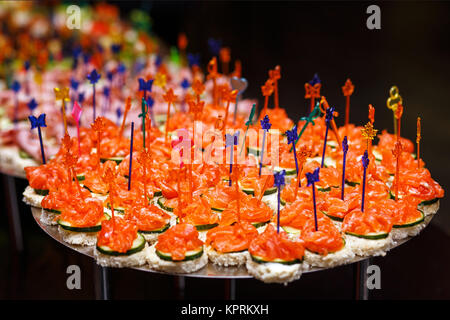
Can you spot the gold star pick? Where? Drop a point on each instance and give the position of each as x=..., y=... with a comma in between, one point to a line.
x=62, y=94
x=369, y=133
x=160, y=80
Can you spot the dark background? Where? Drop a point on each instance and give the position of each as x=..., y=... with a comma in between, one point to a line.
x=411, y=50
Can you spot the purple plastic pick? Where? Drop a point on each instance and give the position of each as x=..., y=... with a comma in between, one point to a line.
x=131, y=156
x=278, y=178
x=328, y=118
x=145, y=86
x=312, y=178
x=265, y=125
x=16, y=87
x=231, y=140
x=32, y=104
x=365, y=162
x=93, y=78
x=344, y=149
x=292, y=138
x=38, y=123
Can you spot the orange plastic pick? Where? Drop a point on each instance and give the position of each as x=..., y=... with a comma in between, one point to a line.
x=144, y=160
x=419, y=136
x=267, y=90
x=109, y=177
x=182, y=41
x=198, y=88
x=170, y=98
x=225, y=57
x=371, y=113
x=127, y=108
x=98, y=126
x=398, y=115
x=230, y=96
x=323, y=107
x=63, y=95
x=237, y=69
x=275, y=75
x=347, y=90
x=312, y=92
x=302, y=155
x=213, y=74
x=398, y=148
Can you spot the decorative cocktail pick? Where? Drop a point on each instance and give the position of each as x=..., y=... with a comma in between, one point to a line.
x=16, y=87
x=267, y=90
x=118, y=115
x=93, y=78
x=397, y=152
x=365, y=162
x=278, y=182
x=98, y=126
x=248, y=123
x=144, y=159
x=38, y=123
x=231, y=140
x=32, y=104
x=265, y=125
x=224, y=56
x=392, y=103
x=194, y=62
x=230, y=96
x=213, y=74
x=110, y=177
x=198, y=88
x=150, y=103
x=312, y=90
x=323, y=107
x=239, y=84
x=127, y=108
x=312, y=178
x=309, y=119
x=291, y=138
x=214, y=46
x=107, y=94
x=76, y=115
x=63, y=95
x=237, y=69
x=347, y=90
x=418, y=138
x=170, y=98
x=371, y=114
x=143, y=115
x=145, y=86
x=302, y=155
x=344, y=149
x=182, y=44
x=368, y=133
x=398, y=116
x=131, y=156
x=196, y=108
x=26, y=66
x=74, y=84
x=328, y=118
x=275, y=75
x=185, y=85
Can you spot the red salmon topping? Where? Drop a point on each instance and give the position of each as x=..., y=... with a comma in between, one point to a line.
x=372, y=220
x=251, y=210
x=326, y=239
x=81, y=214
x=178, y=240
x=118, y=234
x=147, y=217
x=234, y=238
x=271, y=245
x=198, y=212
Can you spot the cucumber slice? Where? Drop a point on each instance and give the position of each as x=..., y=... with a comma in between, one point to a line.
x=370, y=236
x=24, y=155
x=161, y=202
x=392, y=195
x=138, y=245
x=428, y=202
x=262, y=260
x=333, y=217
x=283, y=202
x=66, y=225
x=80, y=177
x=42, y=192
x=190, y=255
x=119, y=209
x=118, y=160
x=157, y=193
x=266, y=193
x=203, y=227
x=291, y=230
x=53, y=211
x=327, y=162
x=378, y=156
x=332, y=144
x=260, y=224
x=352, y=183
x=328, y=189
x=160, y=230
x=411, y=224
x=254, y=151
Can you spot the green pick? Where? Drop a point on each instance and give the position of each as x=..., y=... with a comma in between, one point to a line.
x=309, y=119
x=248, y=123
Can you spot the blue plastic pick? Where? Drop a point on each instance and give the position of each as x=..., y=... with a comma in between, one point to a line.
x=344, y=149
x=265, y=125
x=231, y=140
x=328, y=118
x=312, y=178
x=38, y=123
x=93, y=78
x=279, y=182
x=292, y=137
x=365, y=162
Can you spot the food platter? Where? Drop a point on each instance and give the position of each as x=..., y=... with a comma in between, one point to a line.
x=210, y=271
